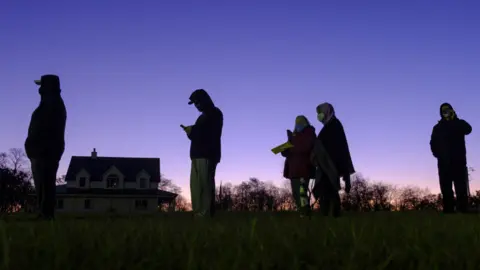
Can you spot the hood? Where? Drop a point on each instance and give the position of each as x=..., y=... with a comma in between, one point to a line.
x=328, y=111
x=446, y=104
x=201, y=97
x=304, y=119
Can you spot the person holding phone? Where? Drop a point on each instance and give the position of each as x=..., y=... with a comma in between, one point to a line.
x=447, y=143
x=205, y=152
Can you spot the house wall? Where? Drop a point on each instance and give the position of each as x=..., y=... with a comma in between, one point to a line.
x=98, y=184
x=99, y=204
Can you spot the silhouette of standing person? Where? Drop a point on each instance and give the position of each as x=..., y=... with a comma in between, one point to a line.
x=299, y=168
x=334, y=140
x=45, y=143
x=205, y=152
x=448, y=146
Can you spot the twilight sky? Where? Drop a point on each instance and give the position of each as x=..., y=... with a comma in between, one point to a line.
x=127, y=69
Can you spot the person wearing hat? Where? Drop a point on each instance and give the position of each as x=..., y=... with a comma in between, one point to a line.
x=205, y=152
x=45, y=142
x=447, y=144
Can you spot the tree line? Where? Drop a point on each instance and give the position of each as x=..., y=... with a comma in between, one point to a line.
x=252, y=195
x=364, y=196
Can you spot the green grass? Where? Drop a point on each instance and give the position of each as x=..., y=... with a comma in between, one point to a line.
x=244, y=241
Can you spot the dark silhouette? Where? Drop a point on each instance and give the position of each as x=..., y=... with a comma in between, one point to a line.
x=298, y=166
x=448, y=146
x=45, y=143
x=205, y=152
x=334, y=140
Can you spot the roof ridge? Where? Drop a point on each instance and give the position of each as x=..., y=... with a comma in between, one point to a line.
x=100, y=157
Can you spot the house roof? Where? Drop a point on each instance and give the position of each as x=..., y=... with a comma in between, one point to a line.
x=128, y=166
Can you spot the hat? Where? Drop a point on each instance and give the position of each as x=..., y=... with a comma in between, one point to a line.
x=197, y=95
x=49, y=80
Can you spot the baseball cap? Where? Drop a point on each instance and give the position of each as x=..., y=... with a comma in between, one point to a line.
x=48, y=80
x=196, y=96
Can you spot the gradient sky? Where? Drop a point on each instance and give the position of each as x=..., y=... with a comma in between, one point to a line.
x=127, y=69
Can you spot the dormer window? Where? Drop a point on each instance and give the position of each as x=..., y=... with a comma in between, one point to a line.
x=143, y=182
x=113, y=178
x=82, y=179
x=82, y=182
x=113, y=181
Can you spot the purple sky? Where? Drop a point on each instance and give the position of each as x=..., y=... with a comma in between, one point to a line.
x=128, y=68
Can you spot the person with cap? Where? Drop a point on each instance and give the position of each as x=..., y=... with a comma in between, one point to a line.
x=205, y=152
x=298, y=167
x=45, y=143
x=334, y=147
x=447, y=144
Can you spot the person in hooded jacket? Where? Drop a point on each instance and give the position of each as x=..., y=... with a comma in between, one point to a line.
x=447, y=144
x=335, y=143
x=298, y=166
x=45, y=143
x=205, y=152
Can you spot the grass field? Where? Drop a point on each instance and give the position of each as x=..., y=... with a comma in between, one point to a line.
x=244, y=241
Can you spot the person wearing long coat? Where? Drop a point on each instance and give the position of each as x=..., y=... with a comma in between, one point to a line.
x=298, y=166
x=335, y=148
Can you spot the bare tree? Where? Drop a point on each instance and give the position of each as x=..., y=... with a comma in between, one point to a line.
x=61, y=180
x=181, y=203
x=3, y=160
x=470, y=171
x=168, y=185
x=17, y=159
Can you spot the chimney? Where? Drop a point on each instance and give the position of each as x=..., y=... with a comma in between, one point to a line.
x=94, y=153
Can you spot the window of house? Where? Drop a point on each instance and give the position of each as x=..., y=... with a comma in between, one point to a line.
x=82, y=181
x=113, y=181
x=87, y=204
x=59, y=204
x=143, y=182
x=141, y=204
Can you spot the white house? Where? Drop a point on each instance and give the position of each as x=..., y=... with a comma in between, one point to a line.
x=112, y=184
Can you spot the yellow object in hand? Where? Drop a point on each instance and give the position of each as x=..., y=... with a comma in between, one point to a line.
x=187, y=129
x=282, y=147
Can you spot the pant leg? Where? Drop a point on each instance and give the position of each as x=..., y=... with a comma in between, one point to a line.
x=335, y=200
x=207, y=186
x=38, y=182
x=50, y=179
x=304, y=193
x=46, y=175
x=212, y=172
x=195, y=187
x=295, y=186
x=446, y=189
x=304, y=199
x=460, y=182
x=324, y=191
x=330, y=198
